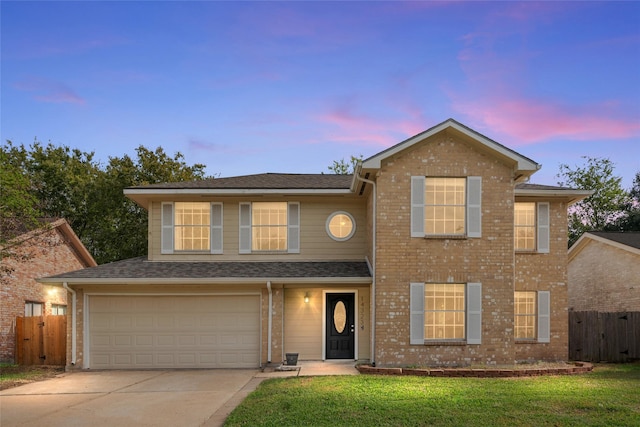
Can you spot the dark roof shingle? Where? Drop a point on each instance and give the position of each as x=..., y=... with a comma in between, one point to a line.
x=263, y=181
x=629, y=238
x=140, y=268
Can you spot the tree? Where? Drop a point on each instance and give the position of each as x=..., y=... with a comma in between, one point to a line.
x=630, y=220
x=341, y=167
x=604, y=206
x=59, y=182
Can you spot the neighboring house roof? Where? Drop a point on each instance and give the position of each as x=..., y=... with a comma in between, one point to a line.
x=570, y=195
x=524, y=166
x=628, y=241
x=139, y=270
x=65, y=229
x=265, y=183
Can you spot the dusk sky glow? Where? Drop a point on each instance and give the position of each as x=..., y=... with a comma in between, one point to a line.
x=253, y=87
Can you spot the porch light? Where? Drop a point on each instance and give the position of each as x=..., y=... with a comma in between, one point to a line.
x=306, y=297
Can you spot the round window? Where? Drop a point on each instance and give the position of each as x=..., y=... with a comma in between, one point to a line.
x=341, y=226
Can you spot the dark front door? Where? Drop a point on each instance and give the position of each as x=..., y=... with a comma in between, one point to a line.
x=340, y=326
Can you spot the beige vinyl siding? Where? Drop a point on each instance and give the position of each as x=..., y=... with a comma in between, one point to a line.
x=315, y=243
x=303, y=323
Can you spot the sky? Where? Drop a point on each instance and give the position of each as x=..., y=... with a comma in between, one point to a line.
x=254, y=87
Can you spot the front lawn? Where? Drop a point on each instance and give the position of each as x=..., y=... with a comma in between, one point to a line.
x=608, y=396
x=17, y=375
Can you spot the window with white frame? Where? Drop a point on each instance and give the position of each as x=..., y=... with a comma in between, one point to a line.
x=340, y=226
x=525, y=315
x=32, y=308
x=531, y=227
x=446, y=312
x=270, y=227
x=191, y=226
x=446, y=206
x=58, y=309
x=532, y=316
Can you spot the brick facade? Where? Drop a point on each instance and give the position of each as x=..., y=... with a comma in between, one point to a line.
x=41, y=255
x=490, y=260
x=604, y=278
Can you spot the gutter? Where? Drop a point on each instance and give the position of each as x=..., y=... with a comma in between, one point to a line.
x=73, y=322
x=269, y=321
x=373, y=266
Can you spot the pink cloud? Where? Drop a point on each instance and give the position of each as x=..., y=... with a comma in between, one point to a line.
x=45, y=90
x=531, y=121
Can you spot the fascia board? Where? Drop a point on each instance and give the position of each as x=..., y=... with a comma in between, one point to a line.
x=571, y=196
x=205, y=281
x=234, y=192
x=523, y=164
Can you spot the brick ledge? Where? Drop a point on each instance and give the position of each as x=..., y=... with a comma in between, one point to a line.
x=577, y=368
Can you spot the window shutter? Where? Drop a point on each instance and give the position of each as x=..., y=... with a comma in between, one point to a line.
x=474, y=313
x=293, y=228
x=216, y=228
x=245, y=228
x=416, y=320
x=474, y=206
x=417, y=206
x=544, y=316
x=166, y=245
x=543, y=228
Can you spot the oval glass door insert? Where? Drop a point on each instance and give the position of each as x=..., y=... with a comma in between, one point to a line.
x=340, y=317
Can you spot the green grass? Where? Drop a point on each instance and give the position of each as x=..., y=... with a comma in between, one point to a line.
x=609, y=396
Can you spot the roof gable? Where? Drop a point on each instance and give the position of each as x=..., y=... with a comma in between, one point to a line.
x=628, y=241
x=523, y=165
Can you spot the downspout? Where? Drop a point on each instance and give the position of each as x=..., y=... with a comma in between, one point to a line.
x=269, y=321
x=73, y=322
x=373, y=270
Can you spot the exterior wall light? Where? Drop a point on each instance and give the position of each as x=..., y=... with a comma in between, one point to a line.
x=306, y=297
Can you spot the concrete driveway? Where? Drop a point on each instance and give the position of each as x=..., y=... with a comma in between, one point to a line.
x=128, y=398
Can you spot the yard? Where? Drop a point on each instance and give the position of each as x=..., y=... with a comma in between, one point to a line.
x=16, y=375
x=609, y=396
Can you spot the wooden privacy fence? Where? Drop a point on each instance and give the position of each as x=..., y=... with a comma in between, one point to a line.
x=41, y=340
x=604, y=337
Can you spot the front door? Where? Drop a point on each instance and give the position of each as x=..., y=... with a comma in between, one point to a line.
x=340, y=326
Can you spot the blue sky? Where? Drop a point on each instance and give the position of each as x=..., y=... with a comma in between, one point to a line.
x=252, y=87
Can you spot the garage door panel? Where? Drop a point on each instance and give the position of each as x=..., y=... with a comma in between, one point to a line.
x=174, y=331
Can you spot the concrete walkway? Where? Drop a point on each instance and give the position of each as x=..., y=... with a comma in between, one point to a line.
x=143, y=398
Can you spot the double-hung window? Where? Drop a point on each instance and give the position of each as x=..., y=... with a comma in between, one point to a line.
x=531, y=316
x=446, y=312
x=191, y=226
x=270, y=227
x=531, y=227
x=446, y=206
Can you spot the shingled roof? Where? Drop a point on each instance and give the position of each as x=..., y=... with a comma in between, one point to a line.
x=140, y=269
x=628, y=238
x=263, y=181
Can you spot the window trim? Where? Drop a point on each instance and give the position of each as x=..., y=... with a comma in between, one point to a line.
x=167, y=232
x=543, y=319
x=542, y=229
x=353, y=226
x=473, y=208
x=473, y=316
x=245, y=229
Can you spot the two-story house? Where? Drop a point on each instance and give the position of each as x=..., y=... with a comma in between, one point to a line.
x=435, y=251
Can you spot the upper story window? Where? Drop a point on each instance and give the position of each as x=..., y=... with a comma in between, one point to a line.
x=531, y=227
x=443, y=206
x=525, y=226
x=191, y=226
x=341, y=226
x=270, y=227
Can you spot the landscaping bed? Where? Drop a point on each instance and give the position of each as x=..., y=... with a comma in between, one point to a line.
x=17, y=375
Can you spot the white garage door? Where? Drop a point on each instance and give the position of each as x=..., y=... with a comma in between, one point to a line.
x=203, y=331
